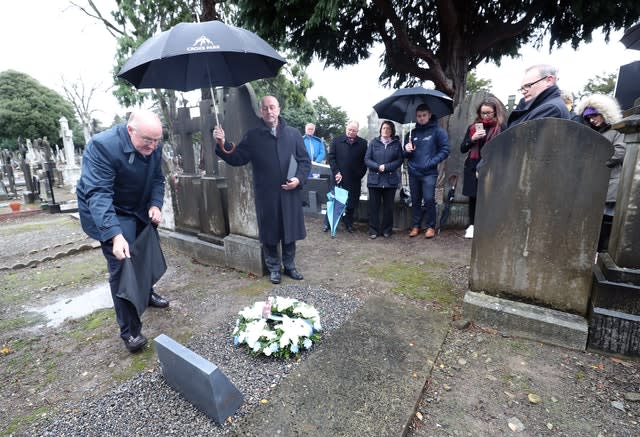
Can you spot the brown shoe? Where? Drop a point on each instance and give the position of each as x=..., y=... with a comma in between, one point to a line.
x=430, y=233
x=414, y=232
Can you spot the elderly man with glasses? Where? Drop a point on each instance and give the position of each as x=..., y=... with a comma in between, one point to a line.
x=541, y=96
x=120, y=191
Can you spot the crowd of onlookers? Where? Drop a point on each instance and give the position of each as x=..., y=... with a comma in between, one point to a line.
x=427, y=144
x=121, y=187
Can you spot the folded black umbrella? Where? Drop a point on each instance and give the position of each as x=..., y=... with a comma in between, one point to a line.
x=145, y=267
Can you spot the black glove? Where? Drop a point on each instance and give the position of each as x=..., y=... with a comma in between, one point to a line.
x=613, y=162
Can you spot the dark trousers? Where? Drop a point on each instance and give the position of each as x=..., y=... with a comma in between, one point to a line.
x=472, y=210
x=386, y=196
x=423, y=199
x=126, y=314
x=352, y=201
x=272, y=258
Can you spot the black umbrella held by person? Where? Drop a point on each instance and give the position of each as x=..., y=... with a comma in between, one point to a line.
x=201, y=55
x=401, y=105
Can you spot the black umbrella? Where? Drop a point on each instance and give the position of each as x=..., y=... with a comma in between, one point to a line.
x=401, y=105
x=453, y=179
x=201, y=55
x=145, y=267
x=631, y=37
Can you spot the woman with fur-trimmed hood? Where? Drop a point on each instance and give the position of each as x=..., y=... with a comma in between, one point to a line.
x=600, y=112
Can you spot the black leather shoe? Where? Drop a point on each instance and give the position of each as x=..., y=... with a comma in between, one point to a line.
x=134, y=344
x=293, y=274
x=350, y=229
x=275, y=277
x=155, y=300
x=325, y=228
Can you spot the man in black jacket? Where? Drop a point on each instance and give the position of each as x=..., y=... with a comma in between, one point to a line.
x=278, y=195
x=541, y=96
x=346, y=158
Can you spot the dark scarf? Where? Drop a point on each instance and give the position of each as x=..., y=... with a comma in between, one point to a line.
x=492, y=127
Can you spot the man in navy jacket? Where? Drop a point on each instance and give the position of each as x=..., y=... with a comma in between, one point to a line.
x=121, y=190
x=425, y=147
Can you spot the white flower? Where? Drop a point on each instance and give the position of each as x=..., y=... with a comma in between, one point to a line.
x=307, y=343
x=253, y=312
x=281, y=335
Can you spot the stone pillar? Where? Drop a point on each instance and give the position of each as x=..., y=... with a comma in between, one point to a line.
x=615, y=302
x=67, y=140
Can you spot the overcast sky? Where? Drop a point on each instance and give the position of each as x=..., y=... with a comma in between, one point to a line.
x=49, y=40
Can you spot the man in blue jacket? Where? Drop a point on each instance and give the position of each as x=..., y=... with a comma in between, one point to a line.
x=121, y=190
x=313, y=144
x=425, y=147
x=541, y=96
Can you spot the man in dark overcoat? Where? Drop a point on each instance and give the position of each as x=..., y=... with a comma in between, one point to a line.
x=121, y=190
x=346, y=159
x=540, y=96
x=270, y=148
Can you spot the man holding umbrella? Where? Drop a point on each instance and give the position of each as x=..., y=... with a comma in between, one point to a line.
x=272, y=148
x=425, y=147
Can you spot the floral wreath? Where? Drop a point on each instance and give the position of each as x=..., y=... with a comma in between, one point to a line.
x=279, y=327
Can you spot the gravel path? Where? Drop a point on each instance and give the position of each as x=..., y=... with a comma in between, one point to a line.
x=146, y=405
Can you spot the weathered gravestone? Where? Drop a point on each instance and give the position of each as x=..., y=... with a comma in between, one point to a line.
x=540, y=201
x=615, y=312
x=207, y=205
x=242, y=246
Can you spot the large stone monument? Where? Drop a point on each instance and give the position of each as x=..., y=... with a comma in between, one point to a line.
x=615, y=317
x=540, y=198
x=215, y=217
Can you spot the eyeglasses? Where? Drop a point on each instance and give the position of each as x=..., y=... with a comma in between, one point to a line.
x=487, y=114
x=527, y=86
x=148, y=140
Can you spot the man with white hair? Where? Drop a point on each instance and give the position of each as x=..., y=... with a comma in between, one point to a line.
x=313, y=144
x=120, y=191
x=540, y=96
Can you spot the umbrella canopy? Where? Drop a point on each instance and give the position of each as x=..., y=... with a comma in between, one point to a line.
x=631, y=37
x=336, y=203
x=201, y=55
x=401, y=105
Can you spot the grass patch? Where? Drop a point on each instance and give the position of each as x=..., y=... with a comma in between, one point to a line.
x=21, y=357
x=140, y=362
x=424, y=281
x=85, y=326
x=21, y=321
x=18, y=286
x=256, y=289
x=18, y=422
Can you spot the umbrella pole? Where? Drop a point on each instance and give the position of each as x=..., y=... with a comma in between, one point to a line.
x=215, y=107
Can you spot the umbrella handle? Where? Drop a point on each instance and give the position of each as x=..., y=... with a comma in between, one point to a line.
x=229, y=152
